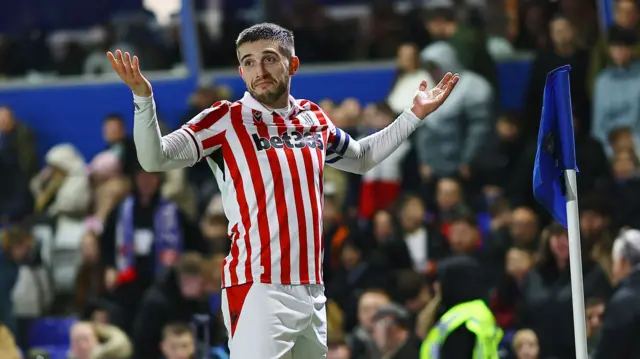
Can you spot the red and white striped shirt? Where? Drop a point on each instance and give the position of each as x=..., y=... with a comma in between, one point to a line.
x=269, y=168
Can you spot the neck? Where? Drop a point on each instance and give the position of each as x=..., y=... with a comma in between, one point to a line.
x=565, y=49
x=282, y=102
x=561, y=263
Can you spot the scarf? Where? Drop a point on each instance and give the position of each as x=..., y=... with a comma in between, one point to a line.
x=167, y=236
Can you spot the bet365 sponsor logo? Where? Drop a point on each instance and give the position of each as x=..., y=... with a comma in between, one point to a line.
x=291, y=140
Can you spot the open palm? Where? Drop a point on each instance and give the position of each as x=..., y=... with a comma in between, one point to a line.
x=128, y=68
x=426, y=101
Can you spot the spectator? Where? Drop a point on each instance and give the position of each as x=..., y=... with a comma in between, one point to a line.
x=564, y=50
x=355, y=275
x=18, y=163
x=616, y=90
x=547, y=304
x=619, y=333
x=18, y=139
x=178, y=341
x=90, y=279
x=15, y=248
x=335, y=232
x=449, y=202
x=522, y=232
x=177, y=297
x=496, y=162
x=62, y=187
x=595, y=229
x=338, y=348
x=621, y=140
x=454, y=134
x=143, y=236
x=465, y=237
x=98, y=341
x=8, y=346
x=420, y=243
x=361, y=340
x=626, y=189
x=408, y=76
x=506, y=297
x=469, y=45
x=525, y=344
x=626, y=17
x=110, y=186
x=594, y=311
x=214, y=231
x=114, y=133
x=380, y=186
x=102, y=311
x=392, y=333
x=459, y=282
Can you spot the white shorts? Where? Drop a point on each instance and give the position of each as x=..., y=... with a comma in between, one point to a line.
x=271, y=321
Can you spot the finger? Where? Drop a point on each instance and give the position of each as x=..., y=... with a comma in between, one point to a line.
x=448, y=88
x=423, y=85
x=136, y=68
x=444, y=81
x=128, y=68
x=115, y=64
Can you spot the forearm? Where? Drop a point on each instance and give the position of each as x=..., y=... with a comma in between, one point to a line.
x=368, y=152
x=155, y=152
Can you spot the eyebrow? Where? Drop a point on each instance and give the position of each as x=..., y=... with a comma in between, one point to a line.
x=268, y=51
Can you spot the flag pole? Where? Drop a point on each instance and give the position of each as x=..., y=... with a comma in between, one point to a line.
x=575, y=263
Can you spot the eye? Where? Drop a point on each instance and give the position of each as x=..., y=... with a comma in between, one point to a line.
x=248, y=63
x=270, y=59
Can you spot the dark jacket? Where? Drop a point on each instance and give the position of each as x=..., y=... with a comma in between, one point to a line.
x=621, y=327
x=8, y=277
x=461, y=280
x=162, y=304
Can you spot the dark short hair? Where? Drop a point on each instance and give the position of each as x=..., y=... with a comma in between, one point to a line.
x=621, y=37
x=445, y=13
x=176, y=329
x=190, y=263
x=114, y=117
x=268, y=31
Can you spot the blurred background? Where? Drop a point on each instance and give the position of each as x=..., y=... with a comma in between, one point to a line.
x=73, y=196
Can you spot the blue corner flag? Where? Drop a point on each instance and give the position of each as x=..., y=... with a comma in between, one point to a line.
x=556, y=148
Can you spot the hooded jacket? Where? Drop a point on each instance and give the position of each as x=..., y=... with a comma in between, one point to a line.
x=454, y=133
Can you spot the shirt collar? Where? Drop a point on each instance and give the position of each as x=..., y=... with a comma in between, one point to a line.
x=252, y=103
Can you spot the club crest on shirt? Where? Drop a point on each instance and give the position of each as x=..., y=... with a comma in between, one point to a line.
x=257, y=116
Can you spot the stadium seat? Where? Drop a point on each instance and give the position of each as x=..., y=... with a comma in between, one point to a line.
x=47, y=332
x=54, y=351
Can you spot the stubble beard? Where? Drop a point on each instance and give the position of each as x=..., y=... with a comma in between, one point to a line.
x=271, y=97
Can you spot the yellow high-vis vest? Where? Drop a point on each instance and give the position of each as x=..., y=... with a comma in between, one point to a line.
x=477, y=318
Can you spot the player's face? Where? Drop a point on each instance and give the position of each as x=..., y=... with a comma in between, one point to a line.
x=266, y=71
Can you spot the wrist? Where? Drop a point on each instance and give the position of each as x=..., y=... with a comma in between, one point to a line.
x=418, y=112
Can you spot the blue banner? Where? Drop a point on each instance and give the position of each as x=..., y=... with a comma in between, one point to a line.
x=74, y=113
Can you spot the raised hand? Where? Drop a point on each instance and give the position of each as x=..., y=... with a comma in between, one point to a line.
x=129, y=71
x=426, y=101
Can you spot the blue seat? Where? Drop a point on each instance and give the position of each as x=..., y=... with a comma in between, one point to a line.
x=55, y=351
x=50, y=332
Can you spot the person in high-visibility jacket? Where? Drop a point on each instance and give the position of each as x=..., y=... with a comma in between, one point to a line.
x=467, y=329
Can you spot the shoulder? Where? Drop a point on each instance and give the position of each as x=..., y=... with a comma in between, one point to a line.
x=219, y=113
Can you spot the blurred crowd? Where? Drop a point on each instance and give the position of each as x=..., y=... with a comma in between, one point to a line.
x=135, y=257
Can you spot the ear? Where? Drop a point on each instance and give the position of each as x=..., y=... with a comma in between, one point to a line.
x=294, y=65
x=240, y=70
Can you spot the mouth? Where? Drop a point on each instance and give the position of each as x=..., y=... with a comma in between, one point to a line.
x=263, y=84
